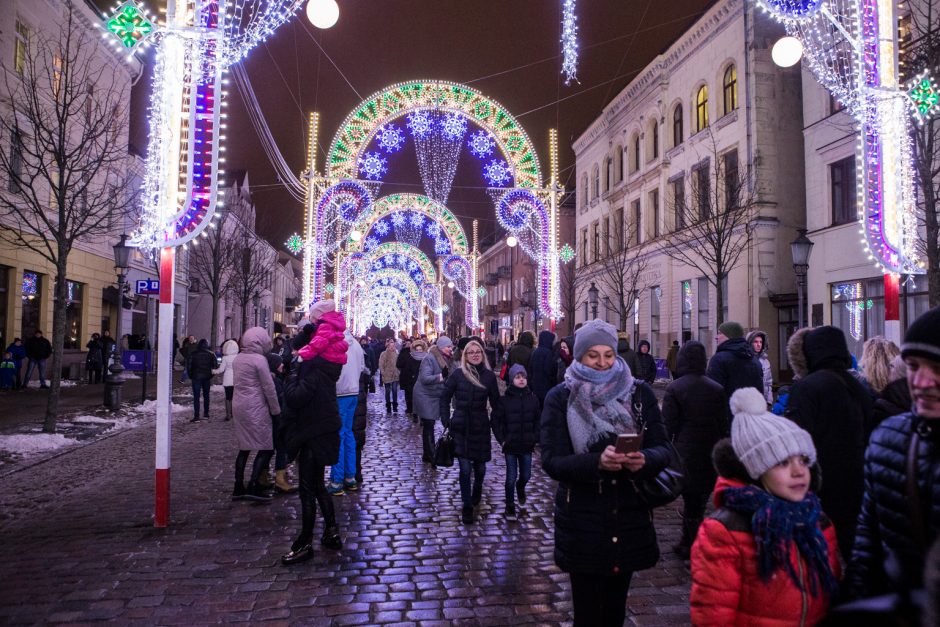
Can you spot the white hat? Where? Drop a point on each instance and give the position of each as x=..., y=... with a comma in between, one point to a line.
x=761, y=439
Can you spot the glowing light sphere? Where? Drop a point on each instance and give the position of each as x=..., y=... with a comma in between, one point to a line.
x=450, y=284
x=512, y=241
x=355, y=235
x=323, y=13
x=787, y=52
x=496, y=173
x=792, y=9
x=566, y=253
x=373, y=166
x=481, y=144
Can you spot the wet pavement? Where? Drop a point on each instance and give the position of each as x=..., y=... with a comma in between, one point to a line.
x=79, y=546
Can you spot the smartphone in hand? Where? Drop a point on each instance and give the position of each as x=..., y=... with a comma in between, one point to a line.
x=629, y=443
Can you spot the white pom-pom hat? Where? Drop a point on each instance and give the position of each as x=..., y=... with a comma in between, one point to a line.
x=761, y=439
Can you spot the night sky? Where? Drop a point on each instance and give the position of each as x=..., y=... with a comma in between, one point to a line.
x=507, y=49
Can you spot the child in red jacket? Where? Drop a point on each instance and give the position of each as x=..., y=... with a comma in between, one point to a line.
x=328, y=340
x=768, y=555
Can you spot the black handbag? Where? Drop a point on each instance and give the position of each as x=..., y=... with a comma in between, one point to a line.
x=444, y=450
x=665, y=486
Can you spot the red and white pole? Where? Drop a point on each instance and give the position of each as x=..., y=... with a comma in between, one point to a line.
x=893, y=308
x=161, y=513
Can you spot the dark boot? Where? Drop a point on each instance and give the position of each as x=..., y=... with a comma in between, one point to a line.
x=228, y=409
x=331, y=539
x=520, y=492
x=300, y=551
x=240, y=460
x=394, y=408
x=427, y=440
x=466, y=515
x=256, y=493
x=239, y=492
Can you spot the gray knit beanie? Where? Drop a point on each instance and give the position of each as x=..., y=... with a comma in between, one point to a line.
x=443, y=342
x=594, y=333
x=517, y=369
x=761, y=439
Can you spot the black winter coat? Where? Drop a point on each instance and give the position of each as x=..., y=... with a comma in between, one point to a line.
x=311, y=413
x=201, y=363
x=895, y=399
x=542, y=368
x=470, y=422
x=694, y=411
x=645, y=364
x=734, y=366
x=95, y=358
x=884, y=527
x=601, y=525
x=521, y=352
x=516, y=422
x=360, y=417
x=37, y=348
x=625, y=352
x=407, y=368
x=837, y=412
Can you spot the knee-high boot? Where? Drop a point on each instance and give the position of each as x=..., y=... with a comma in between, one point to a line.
x=228, y=409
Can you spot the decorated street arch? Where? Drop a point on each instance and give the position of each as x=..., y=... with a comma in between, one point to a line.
x=351, y=229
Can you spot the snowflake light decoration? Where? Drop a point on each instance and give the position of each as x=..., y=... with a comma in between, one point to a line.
x=390, y=138
x=454, y=126
x=398, y=219
x=370, y=242
x=373, y=166
x=295, y=243
x=793, y=9
x=417, y=220
x=433, y=229
x=329, y=288
x=381, y=227
x=420, y=123
x=481, y=145
x=442, y=246
x=130, y=25
x=445, y=308
x=924, y=96
x=496, y=173
x=566, y=253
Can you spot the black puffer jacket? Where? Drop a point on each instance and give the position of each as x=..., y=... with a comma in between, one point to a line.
x=884, y=527
x=360, y=417
x=202, y=362
x=734, y=366
x=694, y=412
x=601, y=525
x=516, y=421
x=470, y=423
x=542, y=368
x=311, y=413
x=407, y=368
x=645, y=364
x=837, y=412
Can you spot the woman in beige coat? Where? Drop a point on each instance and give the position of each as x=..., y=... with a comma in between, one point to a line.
x=389, y=373
x=255, y=401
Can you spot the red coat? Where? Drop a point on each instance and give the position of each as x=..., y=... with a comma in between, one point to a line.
x=328, y=342
x=727, y=588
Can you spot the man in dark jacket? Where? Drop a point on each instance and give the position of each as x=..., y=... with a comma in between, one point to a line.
x=360, y=421
x=201, y=363
x=625, y=352
x=897, y=525
x=645, y=364
x=521, y=352
x=38, y=350
x=18, y=352
x=694, y=412
x=407, y=373
x=734, y=365
x=833, y=406
x=542, y=366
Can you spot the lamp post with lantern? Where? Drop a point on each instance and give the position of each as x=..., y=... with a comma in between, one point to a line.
x=592, y=299
x=800, y=249
x=114, y=382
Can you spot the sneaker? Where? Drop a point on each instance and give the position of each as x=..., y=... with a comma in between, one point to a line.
x=350, y=485
x=520, y=493
x=466, y=515
x=195, y=419
x=511, y=513
x=336, y=489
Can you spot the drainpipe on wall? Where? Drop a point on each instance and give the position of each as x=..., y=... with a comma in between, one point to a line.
x=750, y=161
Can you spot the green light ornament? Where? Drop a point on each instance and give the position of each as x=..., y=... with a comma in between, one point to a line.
x=130, y=25
x=481, y=291
x=328, y=288
x=566, y=253
x=295, y=243
x=924, y=96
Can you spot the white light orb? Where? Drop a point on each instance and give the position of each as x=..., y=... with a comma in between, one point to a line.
x=322, y=13
x=355, y=235
x=450, y=284
x=787, y=51
x=511, y=241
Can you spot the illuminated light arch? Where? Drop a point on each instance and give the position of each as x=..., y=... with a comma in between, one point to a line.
x=394, y=203
x=361, y=265
x=396, y=278
x=385, y=106
x=413, y=253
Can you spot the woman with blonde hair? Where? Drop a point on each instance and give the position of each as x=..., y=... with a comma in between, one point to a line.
x=877, y=354
x=470, y=387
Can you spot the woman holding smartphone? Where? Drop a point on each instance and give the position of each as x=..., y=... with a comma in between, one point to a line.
x=603, y=529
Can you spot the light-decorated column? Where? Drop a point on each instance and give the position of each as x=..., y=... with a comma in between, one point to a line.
x=310, y=216
x=554, y=286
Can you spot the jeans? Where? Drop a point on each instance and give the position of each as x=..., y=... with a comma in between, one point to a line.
x=345, y=468
x=599, y=600
x=517, y=465
x=471, y=497
x=202, y=385
x=37, y=363
x=391, y=394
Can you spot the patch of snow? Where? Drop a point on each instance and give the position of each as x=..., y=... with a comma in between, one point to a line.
x=92, y=420
x=150, y=407
x=65, y=383
x=34, y=443
x=217, y=388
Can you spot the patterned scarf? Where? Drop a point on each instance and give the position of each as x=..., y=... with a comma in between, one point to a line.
x=598, y=403
x=775, y=523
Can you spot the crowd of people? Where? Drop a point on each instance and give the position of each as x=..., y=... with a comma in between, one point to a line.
x=797, y=501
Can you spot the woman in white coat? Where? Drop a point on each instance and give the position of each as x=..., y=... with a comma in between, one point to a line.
x=229, y=352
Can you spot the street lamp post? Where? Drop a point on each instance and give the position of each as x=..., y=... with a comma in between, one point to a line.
x=113, y=383
x=800, y=249
x=592, y=299
x=256, y=299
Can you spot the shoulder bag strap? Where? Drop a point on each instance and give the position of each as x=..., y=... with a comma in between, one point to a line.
x=915, y=509
x=637, y=406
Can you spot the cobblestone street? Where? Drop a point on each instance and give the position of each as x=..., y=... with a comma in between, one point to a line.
x=79, y=545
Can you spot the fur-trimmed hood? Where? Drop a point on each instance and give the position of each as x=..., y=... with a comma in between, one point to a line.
x=795, y=354
x=760, y=334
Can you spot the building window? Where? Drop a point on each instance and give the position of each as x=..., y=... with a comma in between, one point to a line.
x=704, y=329
x=703, y=192
x=4, y=294
x=842, y=180
x=16, y=162
x=701, y=109
x=584, y=191
x=678, y=201
x=597, y=241
x=835, y=105
x=685, y=297
x=584, y=246
x=596, y=183
x=636, y=154
x=655, y=296
x=654, y=211
x=732, y=180
x=618, y=233
x=677, y=125
x=637, y=220
x=610, y=174
x=730, y=89
x=724, y=299
x=31, y=290
x=73, y=315
x=607, y=247
x=19, y=49
x=618, y=165
x=654, y=141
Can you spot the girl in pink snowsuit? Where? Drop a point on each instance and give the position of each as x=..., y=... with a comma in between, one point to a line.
x=328, y=341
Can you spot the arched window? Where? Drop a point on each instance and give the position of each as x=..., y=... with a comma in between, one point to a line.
x=636, y=153
x=584, y=191
x=654, y=141
x=596, y=183
x=619, y=164
x=701, y=109
x=730, y=89
x=609, y=178
x=677, y=125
